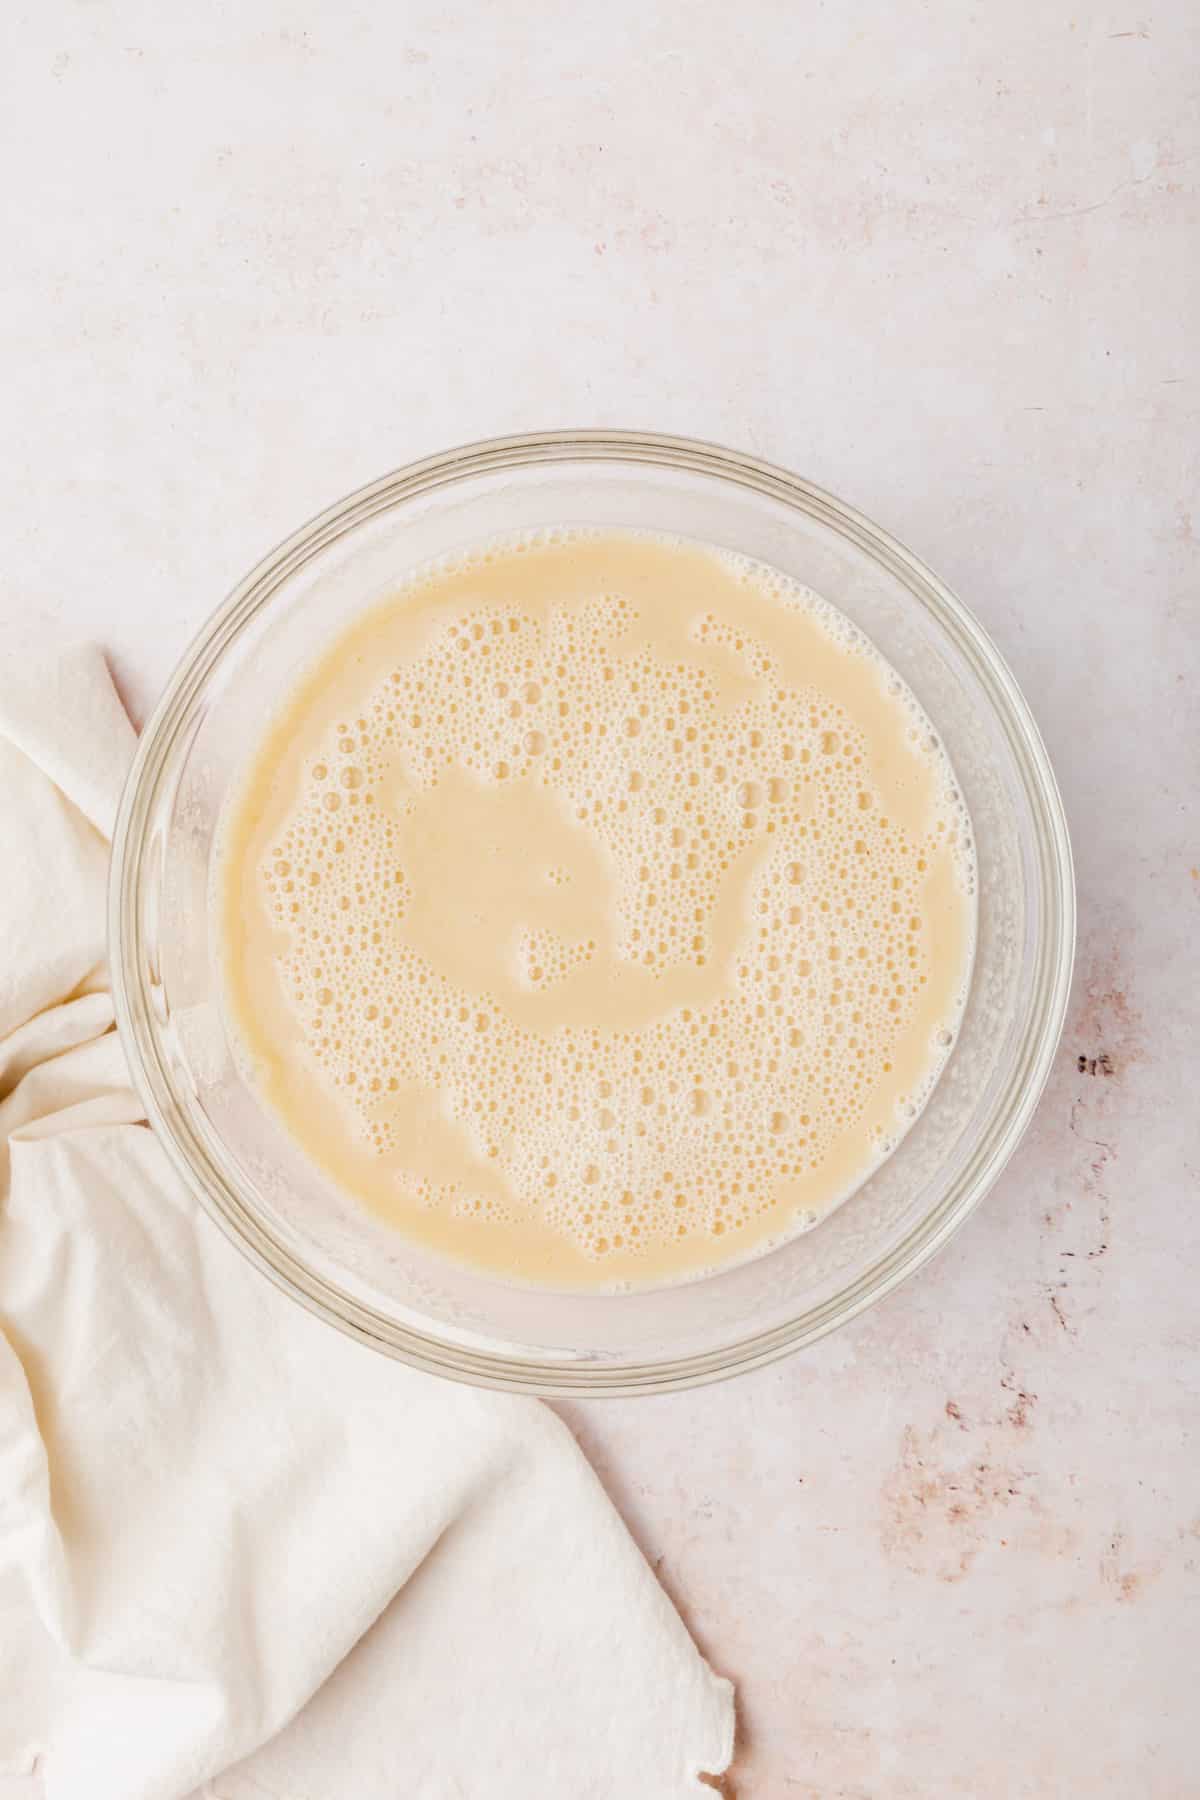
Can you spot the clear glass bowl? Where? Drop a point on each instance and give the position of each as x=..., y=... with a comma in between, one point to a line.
x=321, y=1247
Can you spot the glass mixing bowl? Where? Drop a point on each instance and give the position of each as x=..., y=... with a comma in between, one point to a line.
x=320, y=1246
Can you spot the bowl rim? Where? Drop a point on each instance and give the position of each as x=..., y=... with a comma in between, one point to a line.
x=133, y=970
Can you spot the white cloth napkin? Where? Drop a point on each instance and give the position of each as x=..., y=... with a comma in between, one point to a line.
x=238, y=1552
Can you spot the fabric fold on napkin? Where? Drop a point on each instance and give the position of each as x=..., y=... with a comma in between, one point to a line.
x=241, y=1555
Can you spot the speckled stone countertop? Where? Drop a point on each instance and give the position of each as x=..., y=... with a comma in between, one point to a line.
x=944, y=260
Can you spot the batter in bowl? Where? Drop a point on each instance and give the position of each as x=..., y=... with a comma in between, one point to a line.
x=599, y=910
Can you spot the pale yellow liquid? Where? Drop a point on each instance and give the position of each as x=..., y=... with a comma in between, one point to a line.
x=598, y=911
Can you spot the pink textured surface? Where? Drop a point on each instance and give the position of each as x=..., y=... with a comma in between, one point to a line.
x=946, y=263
